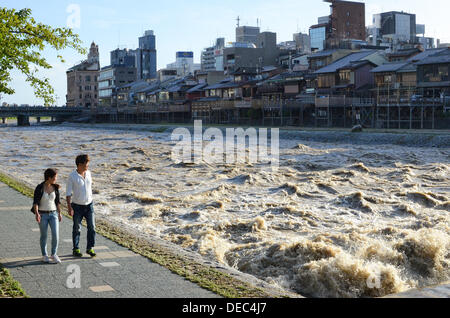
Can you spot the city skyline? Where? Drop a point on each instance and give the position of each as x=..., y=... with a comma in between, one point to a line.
x=110, y=26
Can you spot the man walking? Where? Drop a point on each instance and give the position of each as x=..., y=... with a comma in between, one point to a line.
x=79, y=202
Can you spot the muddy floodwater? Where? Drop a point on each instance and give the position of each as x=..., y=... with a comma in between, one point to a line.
x=337, y=219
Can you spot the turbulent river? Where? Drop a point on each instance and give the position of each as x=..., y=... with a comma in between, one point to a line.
x=337, y=219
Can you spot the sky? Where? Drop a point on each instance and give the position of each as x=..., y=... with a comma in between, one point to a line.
x=181, y=25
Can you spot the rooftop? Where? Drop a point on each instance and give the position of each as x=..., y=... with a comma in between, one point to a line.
x=390, y=67
x=346, y=62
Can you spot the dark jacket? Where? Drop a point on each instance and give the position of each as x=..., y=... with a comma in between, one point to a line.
x=39, y=192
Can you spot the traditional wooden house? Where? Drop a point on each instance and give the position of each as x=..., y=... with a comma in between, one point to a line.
x=196, y=92
x=349, y=74
x=433, y=74
x=323, y=58
x=402, y=54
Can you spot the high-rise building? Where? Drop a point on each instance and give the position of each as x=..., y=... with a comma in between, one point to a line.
x=110, y=79
x=398, y=30
x=82, y=81
x=212, y=57
x=318, y=36
x=302, y=42
x=346, y=23
x=184, y=64
x=247, y=34
x=396, y=26
x=264, y=52
x=146, y=65
x=124, y=57
x=122, y=70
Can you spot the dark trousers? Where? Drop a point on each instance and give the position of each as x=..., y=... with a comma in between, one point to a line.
x=80, y=212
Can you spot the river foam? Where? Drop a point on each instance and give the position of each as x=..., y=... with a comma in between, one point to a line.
x=337, y=219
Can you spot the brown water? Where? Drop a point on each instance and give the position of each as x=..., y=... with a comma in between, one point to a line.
x=335, y=220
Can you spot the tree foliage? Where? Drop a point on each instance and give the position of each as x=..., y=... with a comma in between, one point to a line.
x=22, y=41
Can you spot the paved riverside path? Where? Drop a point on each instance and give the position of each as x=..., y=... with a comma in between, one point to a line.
x=115, y=272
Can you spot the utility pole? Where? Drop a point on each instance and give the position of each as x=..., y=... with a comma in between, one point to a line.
x=290, y=62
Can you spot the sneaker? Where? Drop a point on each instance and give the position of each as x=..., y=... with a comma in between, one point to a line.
x=55, y=259
x=77, y=253
x=91, y=252
x=45, y=259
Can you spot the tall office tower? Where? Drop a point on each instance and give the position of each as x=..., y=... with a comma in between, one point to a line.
x=146, y=65
x=212, y=57
x=302, y=42
x=397, y=26
x=247, y=34
x=347, y=22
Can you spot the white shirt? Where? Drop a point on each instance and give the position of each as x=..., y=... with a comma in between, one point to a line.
x=47, y=202
x=79, y=188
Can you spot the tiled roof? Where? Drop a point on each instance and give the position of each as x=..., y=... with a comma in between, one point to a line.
x=435, y=59
x=425, y=54
x=197, y=88
x=389, y=67
x=322, y=54
x=345, y=62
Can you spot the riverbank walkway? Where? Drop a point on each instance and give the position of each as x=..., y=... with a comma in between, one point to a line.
x=115, y=272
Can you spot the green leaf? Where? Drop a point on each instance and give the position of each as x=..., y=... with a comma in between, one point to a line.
x=22, y=40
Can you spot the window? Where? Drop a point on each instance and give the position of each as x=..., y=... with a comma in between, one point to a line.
x=344, y=77
x=104, y=84
x=318, y=37
x=435, y=73
x=326, y=80
x=88, y=78
x=443, y=72
x=388, y=78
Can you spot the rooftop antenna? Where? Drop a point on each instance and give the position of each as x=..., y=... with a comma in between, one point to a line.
x=238, y=20
x=257, y=22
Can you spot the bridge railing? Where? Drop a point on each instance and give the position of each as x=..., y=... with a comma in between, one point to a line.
x=33, y=111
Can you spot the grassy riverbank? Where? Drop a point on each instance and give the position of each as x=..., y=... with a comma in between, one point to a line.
x=207, y=277
x=9, y=288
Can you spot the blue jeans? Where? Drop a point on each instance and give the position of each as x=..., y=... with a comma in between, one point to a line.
x=52, y=220
x=80, y=212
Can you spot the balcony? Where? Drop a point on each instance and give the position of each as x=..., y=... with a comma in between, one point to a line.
x=343, y=101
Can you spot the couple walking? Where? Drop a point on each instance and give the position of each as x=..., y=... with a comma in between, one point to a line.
x=46, y=207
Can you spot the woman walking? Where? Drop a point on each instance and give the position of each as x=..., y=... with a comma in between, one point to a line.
x=46, y=206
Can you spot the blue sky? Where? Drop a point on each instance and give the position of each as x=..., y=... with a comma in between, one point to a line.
x=190, y=26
